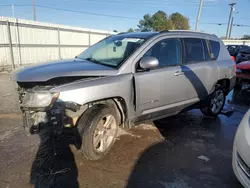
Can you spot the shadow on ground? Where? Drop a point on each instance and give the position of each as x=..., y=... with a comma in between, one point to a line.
x=54, y=165
x=196, y=152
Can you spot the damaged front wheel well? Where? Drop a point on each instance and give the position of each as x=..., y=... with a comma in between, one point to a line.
x=118, y=103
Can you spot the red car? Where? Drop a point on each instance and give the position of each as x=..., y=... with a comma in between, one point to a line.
x=243, y=73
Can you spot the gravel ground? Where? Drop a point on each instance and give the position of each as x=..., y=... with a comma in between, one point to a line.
x=184, y=151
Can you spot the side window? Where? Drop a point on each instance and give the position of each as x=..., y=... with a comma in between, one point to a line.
x=215, y=49
x=167, y=51
x=193, y=49
x=206, y=51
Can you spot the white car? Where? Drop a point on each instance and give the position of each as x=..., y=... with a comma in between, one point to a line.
x=241, y=151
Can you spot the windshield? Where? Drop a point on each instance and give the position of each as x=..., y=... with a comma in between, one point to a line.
x=112, y=51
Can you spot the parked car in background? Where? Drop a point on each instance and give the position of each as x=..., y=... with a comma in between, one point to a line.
x=124, y=79
x=243, y=55
x=231, y=49
x=234, y=49
x=241, y=151
x=242, y=74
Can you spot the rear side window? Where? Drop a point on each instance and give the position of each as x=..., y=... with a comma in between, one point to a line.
x=193, y=49
x=215, y=49
x=206, y=51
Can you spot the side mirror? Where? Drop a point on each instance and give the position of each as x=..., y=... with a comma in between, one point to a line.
x=149, y=62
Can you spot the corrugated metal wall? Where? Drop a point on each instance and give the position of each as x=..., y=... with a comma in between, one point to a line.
x=29, y=42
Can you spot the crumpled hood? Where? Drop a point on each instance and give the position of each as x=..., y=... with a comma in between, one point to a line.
x=62, y=68
x=243, y=65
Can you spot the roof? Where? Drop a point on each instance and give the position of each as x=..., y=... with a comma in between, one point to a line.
x=150, y=34
x=139, y=34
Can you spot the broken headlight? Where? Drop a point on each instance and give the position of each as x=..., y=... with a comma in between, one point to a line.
x=39, y=99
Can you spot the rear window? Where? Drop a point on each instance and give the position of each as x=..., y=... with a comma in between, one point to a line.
x=194, y=50
x=215, y=49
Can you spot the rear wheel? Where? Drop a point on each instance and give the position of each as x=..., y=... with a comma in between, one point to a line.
x=214, y=103
x=98, y=128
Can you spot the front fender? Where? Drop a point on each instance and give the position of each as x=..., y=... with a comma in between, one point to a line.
x=83, y=92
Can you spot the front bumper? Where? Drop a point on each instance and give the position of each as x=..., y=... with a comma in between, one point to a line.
x=241, y=152
x=36, y=120
x=58, y=116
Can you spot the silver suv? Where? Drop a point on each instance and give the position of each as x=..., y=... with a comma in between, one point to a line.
x=125, y=79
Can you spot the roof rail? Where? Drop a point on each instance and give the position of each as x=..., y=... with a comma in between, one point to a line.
x=122, y=33
x=182, y=30
x=164, y=31
x=191, y=31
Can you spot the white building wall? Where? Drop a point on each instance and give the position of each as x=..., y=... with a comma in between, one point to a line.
x=236, y=42
x=35, y=42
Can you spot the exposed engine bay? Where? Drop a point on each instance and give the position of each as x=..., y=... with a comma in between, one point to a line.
x=41, y=108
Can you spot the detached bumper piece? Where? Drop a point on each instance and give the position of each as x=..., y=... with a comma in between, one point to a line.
x=35, y=121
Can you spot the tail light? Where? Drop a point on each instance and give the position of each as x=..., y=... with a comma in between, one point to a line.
x=233, y=58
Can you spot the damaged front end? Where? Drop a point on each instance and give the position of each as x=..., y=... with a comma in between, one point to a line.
x=41, y=108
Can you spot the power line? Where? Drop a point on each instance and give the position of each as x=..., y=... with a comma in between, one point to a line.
x=116, y=16
x=83, y=12
x=75, y=11
x=143, y=1
x=241, y=25
x=15, y=5
x=146, y=3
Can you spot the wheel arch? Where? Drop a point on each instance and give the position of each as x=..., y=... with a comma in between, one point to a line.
x=225, y=83
x=118, y=103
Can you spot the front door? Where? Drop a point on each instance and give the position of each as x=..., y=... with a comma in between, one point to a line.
x=162, y=89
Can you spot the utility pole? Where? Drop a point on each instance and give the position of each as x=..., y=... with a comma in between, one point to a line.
x=230, y=16
x=13, y=11
x=198, y=16
x=231, y=26
x=34, y=9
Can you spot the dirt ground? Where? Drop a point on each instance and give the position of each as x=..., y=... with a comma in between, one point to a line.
x=188, y=150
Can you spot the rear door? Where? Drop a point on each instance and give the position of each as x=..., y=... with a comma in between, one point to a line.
x=199, y=68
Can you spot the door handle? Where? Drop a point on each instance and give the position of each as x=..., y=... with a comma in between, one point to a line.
x=178, y=73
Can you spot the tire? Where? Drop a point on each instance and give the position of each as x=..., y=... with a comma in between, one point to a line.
x=91, y=130
x=207, y=109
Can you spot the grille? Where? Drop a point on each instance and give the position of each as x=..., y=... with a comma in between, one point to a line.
x=244, y=167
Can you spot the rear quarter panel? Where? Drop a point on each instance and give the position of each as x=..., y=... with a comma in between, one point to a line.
x=225, y=63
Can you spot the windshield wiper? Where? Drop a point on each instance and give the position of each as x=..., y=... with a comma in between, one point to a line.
x=93, y=60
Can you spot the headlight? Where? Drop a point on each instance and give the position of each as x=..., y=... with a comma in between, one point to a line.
x=238, y=70
x=39, y=99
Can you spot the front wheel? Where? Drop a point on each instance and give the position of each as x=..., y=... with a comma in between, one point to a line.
x=98, y=127
x=214, y=103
